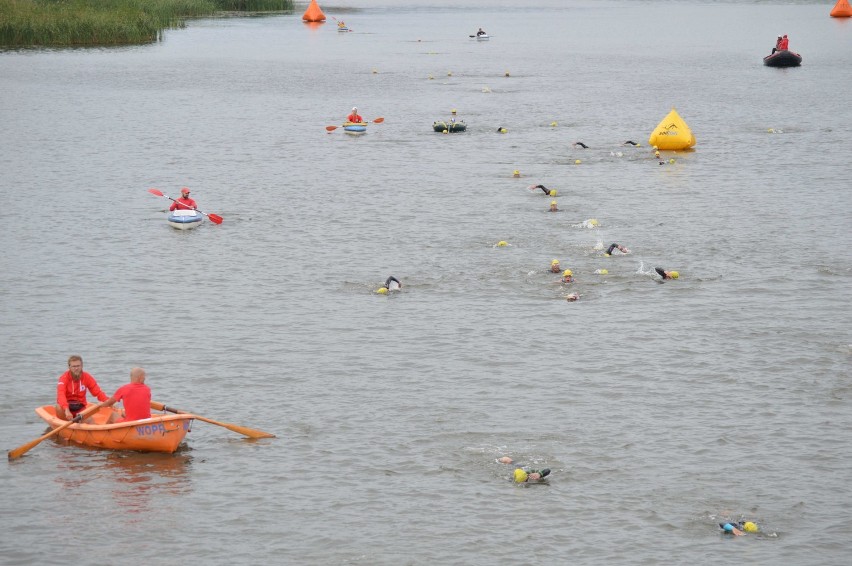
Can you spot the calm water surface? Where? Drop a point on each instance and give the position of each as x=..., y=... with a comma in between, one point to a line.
x=660, y=408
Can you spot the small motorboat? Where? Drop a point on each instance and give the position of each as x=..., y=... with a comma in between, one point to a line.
x=783, y=58
x=184, y=219
x=160, y=433
x=355, y=127
x=450, y=127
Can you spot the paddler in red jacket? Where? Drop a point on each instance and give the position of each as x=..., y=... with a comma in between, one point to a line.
x=355, y=118
x=71, y=389
x=784, y=44
x=184, y=202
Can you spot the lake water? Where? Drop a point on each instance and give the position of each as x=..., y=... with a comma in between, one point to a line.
x=661, y=408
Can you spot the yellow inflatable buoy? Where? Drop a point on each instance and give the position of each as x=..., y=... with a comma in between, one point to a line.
x=672, y=133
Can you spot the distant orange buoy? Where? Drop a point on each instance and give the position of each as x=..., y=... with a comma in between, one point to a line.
x=841, y=10
x=313, y=13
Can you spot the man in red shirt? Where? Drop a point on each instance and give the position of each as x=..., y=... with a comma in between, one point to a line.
x=784, y=44
x=355, y=118
x=184, y=202
x=135, y=396
x=71, y=389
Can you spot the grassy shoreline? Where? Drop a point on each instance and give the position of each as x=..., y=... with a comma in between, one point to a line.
x=41, y=23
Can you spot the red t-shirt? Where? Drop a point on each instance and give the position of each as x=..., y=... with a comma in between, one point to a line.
x=68, y=390
x=136, y=398
x=183, y=203
x=355, y=118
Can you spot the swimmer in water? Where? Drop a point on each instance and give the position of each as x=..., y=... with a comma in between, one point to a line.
x=547, y=191
x=567, y=276
x=525, y=474
x=572, y=297
x=581, y=144
x=553, y=207
x=554, y=266
x=614, y=246
x=391, y=284
x=667, y=274
x=631, y=142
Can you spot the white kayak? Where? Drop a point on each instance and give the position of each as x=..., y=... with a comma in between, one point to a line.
x=184, y=219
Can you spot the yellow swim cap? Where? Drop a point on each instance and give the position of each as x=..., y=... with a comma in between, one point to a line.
x=554, y=261
x=553, y=124
x=602, y=272
x=502, y=130
x=577, y=162
x=593, y=222
x=520, y=476
x=382, y=291
x=553, y=192
x=567, y=272
x=516, y=173
x=675, y=274
x=454, y=110
x=502, y=243
x=749, y=527
x=553, y=202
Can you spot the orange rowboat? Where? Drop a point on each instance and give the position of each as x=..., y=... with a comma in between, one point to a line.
x=160, y=433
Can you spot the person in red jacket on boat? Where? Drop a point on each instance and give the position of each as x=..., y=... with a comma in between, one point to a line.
x=777, y=45
x=71, y=389
x=135, y=396
x=355, y=118
x=184, y=202
x=784, y=44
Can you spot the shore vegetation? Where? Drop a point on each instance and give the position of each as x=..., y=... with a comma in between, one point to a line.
x=27, y=23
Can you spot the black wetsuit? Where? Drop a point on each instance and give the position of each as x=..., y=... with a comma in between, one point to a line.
x=545, y=189
x=581, y=144
x=388, y=282
x=611, y=247
x=629, y=142
x=661, y=271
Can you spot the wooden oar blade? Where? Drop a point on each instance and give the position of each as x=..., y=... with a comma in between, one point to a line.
x=378, y=120
x=244, y=430
x=157, y=192
x=331, y=128
x=215, y=218
x=21, y=450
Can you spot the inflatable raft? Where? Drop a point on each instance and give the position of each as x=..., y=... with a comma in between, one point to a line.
x=784, y=58
x=355, y=127
x=451, y=127
x=184, y=219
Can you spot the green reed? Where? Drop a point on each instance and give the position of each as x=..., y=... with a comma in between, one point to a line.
x=108, y=22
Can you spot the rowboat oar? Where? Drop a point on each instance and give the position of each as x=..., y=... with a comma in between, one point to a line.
x=21, y=450
x=250, y=432
x=214, y=218
x=376, y=121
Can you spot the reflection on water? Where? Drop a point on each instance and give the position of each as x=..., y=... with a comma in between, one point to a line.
x=141, y=478
x=136, y=481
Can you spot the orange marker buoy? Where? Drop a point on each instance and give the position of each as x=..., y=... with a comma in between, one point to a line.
x=313, y=13
x=841, y=10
